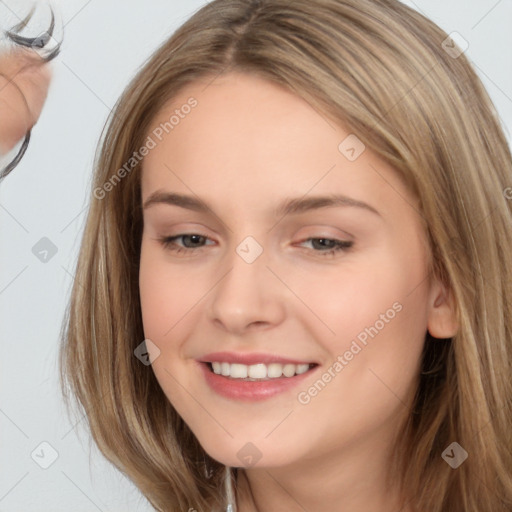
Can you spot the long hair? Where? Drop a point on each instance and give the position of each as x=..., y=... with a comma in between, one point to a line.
x=394, y=79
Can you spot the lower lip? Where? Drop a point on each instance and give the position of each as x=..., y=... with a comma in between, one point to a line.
x=251, y=390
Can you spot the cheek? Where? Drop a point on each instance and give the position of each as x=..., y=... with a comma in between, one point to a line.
x=167, y=293
x=385, y=291
x=154, y=294
x=378, y=315
x=374, y=315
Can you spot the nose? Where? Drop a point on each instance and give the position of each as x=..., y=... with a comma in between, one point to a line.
x=248, y=296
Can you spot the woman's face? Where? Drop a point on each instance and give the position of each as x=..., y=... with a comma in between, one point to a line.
x=264, y=188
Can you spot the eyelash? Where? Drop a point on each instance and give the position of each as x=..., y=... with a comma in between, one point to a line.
x=168, y=243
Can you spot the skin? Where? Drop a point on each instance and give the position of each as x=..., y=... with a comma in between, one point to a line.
x=246, y=146
x=24, y=83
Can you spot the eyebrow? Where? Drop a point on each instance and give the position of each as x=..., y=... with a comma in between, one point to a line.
x=287, y=207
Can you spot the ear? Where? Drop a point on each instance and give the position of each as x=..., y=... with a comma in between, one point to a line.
x=442, y=317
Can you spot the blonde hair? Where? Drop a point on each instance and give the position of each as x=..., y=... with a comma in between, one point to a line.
x=381, y=70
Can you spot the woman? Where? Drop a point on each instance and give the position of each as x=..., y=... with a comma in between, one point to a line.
x=293, y=290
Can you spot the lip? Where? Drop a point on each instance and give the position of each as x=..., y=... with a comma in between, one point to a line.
x=249, y=358
x=251, y=391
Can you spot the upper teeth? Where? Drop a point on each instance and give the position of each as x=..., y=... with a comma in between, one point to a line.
x=258, y=371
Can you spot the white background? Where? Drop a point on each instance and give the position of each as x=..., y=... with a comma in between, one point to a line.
x=105, y=42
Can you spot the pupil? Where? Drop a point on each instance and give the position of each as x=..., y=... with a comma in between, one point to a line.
x=195, y=238
x=324, y=242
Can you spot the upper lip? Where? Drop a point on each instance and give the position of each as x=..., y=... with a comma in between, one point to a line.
x=249, y=358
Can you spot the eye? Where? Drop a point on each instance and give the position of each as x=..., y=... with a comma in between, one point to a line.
x=191, y=242
x=194, y=241
x=329, y=246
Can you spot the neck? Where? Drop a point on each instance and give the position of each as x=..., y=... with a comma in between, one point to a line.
x=350, y=480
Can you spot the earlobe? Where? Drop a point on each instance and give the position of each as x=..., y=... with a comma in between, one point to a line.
x=442, y=315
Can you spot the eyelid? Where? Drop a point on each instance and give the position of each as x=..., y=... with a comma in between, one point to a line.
x=167, y=239
x=324, y=231
x=337, y=248
x=313, y=231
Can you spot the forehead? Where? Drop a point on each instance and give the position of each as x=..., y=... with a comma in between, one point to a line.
x=264, y=119
x=246, y=138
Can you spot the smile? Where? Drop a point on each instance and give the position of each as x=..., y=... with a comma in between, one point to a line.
x=259, y=371
x=255, y=382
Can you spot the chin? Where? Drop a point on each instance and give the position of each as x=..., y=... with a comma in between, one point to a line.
x=246, y=454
